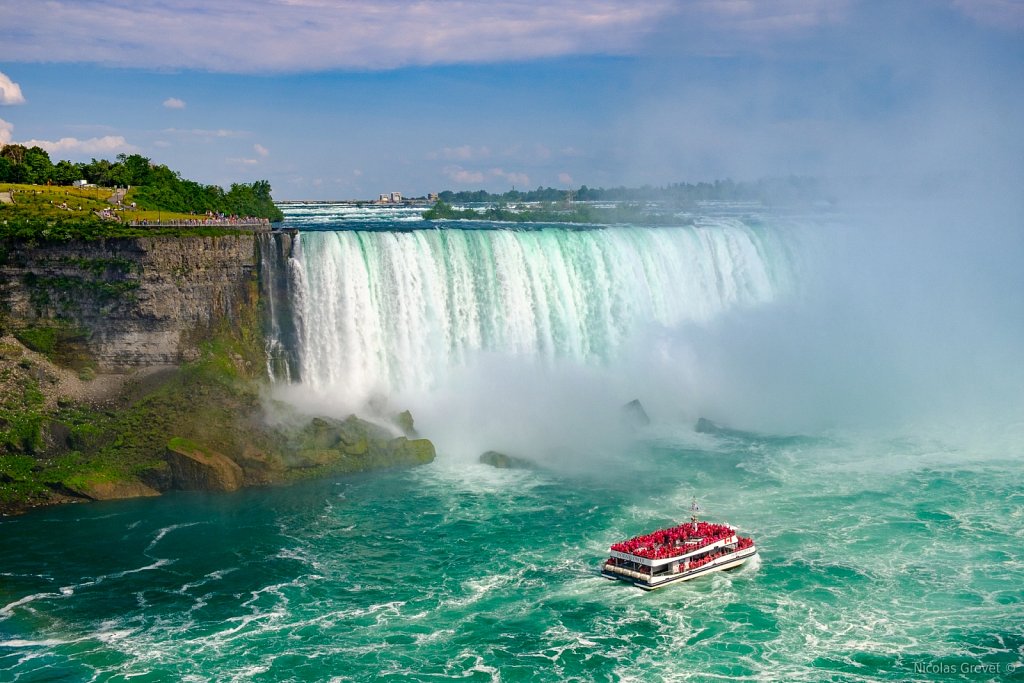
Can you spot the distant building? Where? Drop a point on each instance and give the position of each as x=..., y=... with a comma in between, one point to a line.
x=384, y=198
x=432, y=196
x=396, y=197
x=80, y=183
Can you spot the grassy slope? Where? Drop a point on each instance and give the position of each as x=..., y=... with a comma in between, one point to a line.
x=37, y=212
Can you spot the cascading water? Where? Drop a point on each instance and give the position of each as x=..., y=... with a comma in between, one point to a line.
x=379, y=312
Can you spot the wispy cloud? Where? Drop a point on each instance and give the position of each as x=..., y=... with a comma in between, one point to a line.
x=461, y=153
x=307, y=35
x=207, y=132
x=6, y=132
x=174, y=103
x=459, y=175
x=10, y=92
x=462, y=176
x=261, y=150
x=513, y=177
x=108, y=144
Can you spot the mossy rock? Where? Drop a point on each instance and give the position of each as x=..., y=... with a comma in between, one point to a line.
x=317, y=457
x=360, y=447
x=503, y=461
x=99, y=488
x=405, y=422
x=196, y=468
x=404, y=451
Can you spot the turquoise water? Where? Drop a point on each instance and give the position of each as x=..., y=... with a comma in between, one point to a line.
x=878, y=559
x=886, y=552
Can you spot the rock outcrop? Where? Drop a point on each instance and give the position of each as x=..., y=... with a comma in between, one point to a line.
x=131, y=302
x=354, y=444
x=634, y=415
x=503, y=461
x=406, y=424
x=195, y=468
x=111, y=490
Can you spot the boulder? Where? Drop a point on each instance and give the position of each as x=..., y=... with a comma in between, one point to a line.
x=403, y=451
x=634, y=415
x=706, y=426
x=405, y=423
x=504, y=462
x=195, y=468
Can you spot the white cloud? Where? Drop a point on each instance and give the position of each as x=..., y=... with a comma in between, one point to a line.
x=108, y=144
x=243, y=162
x=10, y=92
x=208, y=133
x=174, y=103
x=565, y=179
x=261, y=150
x=308, y=35
x=6, y=131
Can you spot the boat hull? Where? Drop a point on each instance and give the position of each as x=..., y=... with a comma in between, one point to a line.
x=730, y=561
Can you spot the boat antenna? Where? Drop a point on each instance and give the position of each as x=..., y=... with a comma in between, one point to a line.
x=694, y=509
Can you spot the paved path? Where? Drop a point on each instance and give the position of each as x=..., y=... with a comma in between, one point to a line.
x=117, y=197
x=5, y=198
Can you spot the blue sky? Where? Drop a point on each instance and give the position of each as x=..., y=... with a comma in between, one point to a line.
x=337, y=100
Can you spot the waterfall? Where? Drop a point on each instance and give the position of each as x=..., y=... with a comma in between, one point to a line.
x=384, y=311
x=279, y=322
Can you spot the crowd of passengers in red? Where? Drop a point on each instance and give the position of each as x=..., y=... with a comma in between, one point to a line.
x=678, y=540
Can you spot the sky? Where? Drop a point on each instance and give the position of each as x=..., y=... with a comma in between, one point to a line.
x=335, y=100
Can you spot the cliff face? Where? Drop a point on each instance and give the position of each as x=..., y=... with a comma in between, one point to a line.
x=206, y=309
x=129, y=303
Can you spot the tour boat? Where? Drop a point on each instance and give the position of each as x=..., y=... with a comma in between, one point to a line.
x=678, y=554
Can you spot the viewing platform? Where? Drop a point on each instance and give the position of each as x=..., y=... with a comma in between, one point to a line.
x=245, y=224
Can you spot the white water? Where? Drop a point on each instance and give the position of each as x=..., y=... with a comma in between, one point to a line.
x=384, y=312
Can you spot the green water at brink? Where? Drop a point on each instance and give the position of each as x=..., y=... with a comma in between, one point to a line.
x=881, y=559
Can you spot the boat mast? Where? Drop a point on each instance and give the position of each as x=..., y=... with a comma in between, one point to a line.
x=694, y=509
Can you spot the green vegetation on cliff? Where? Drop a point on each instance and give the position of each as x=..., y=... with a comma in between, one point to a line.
x=206, y=426
x=37, y=199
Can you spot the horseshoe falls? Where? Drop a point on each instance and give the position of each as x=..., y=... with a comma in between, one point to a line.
x=384, y=312
x=870, y=443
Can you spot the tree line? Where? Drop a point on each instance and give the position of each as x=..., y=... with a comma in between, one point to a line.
x=766, y=189
x=157, y=187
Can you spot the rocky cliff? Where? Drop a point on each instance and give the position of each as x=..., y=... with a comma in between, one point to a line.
x=121, y=304
x=76, y=315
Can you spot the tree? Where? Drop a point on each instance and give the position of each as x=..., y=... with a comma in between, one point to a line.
x=65, y=173
x=15, y=153
x=38, y=164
